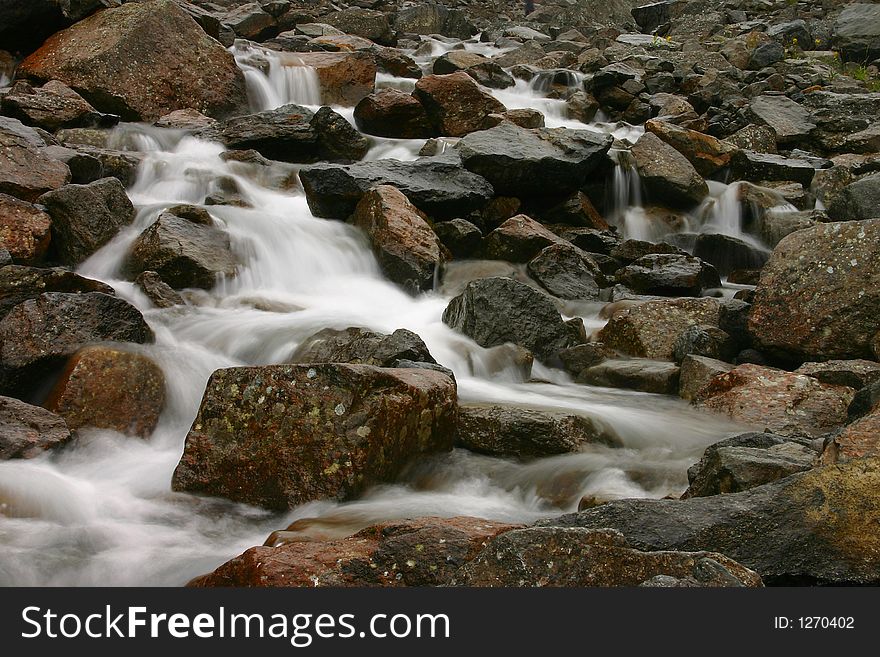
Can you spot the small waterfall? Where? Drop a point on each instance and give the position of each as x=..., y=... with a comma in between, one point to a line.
x=275, y=79
x=725, y=210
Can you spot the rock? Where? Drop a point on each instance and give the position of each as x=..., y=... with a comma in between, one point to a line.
x=707, y=154
x=183, y=253
x=366, y=23
x=457, y=60
x=26, y=171
x=629, y=251
x=858, y=440
x=140, y=61
x=765, y=54
x=19, y=283
x=430, y=18
x=785, y=403
x=109, y=388
x=396, y=63
x=634, y=374
x=27, y=431
x=864, y=401
x=408, y=251
x=696, y=372
x=669, y=274
x=542, y=162
x=38, y=335
x=283, y=435
x=666, y=174
x=24, y=230
x=571, y=556
x=855, y=374
x=727, y=254
x=52, y=107
x=759, y=167
x=757, y=138
x=523, y=433
x=86, y=217
x=492, y=311
x=857, y=32
x=84, y=167
x=791, y=33
x=25, y=25
x=392, y=113
x=292, y=133
x=460, y=237
x=566, y=272
x=857, y=201
x=709, y=341
x=819, y=294
x=650, y=329
x=578, y=358
x=789, y=121
x=772, y=227
x=362, y=347
x=745, y=461
x=490, y=74
x=419, y=552
x=346, y=77
x=439, y=188
x=249, y=21
x=158, y=291
x=805, y=529
x=519, y=239
x=651, y=16
x=455, y=104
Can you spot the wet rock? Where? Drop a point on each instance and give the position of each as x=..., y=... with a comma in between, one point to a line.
x=789, y=121
x=158, y=291
x=566, y=272
x=25, y=25
x=52, y=107
x=808, y=528
x=419, y=552
x=819, y=294
x=362, y=347
x=455, y=103
x=578, y=358
x=392, y=113
x=394, y=62
x=629, y=251
x=26, y=171
x=519, y=239
x=707, y=154
x=460, y=237
x=109, y=388
x=696, y=372
x=727, y=253
x=709, y=341
x=457, y=60
x=27, y=431
x=572, y=556
x=140, y=61
x=439, y=188
x=430, y=18
x=853, y=373
x=122, y=165
x=84, y=168
x=759, y=167
x=492, y=311
x=774, y=226
x=858, y=440
x=24, y=230
x=745, y=461
x=666, y=174
x=857, y=201
x=183, y=253
x=366, y=23
x=249, y=21
x=542, y=162
x=38, y=335
x=19, y=283
x=345, y=78
x=634, y=374
x=785, y=403
x=282, y=435
x=669, y=274
x=650, y=329
x=490, y=74
x=857, y=31
x=86, y=217
x=408, y=251
x=523, y=433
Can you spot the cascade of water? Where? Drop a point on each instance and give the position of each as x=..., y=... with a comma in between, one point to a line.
x=275, y=79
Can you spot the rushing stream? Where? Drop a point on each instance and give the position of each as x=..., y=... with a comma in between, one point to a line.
x=101, y=510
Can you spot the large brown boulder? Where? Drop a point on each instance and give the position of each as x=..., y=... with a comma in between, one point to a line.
x=393, y=113
x=818, y=297
x=706, y=153
x=345, y=77
x=26, y=171
x=785, y=403
x=857, y=440
x=667, y=175
x=108, y=388
x=456, y=105
x=408, y=251
x=52, y=107
x=283, y=435
x=27, y=431
x=140, y=61
x=24, y=230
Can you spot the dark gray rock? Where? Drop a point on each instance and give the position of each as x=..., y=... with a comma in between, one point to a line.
x=634, y=374
x=19, y=283
x=158, y=291
x=728, y=254
x=708, y=341
x=27, y=431
x=566, y=272
x=362, y=347
x=651, y=16
x=766, y=54
x=857, y=201
x=696, y=372
x=760, y=167
x=789, y=121
x=460, y=236
x=857, y=31
x=669, y=274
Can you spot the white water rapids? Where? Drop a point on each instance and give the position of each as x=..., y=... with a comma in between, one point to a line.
x=101, y=512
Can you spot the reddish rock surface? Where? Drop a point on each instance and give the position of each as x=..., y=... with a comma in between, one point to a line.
x=24, y=230
x=455, y=104
x=857, y=440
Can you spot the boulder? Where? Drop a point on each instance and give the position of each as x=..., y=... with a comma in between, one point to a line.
x=366, y=23
x=572, y=556
x=667, y=175
x=764, y=55
x=785, y=403
x=346, y=77
x=818, y=297
x=249, y=21
x=184, y=253
x=857, y=201
x=26, y=171
x=760, y=167
x=858, y=440
x=396, y=63
x=109, y=388
x=393, y=113
x=432, y=18
x=455, y=104
x=460, y=237
x=708, y=341
x=519, y=239
x=539, y=162
x=669, y=274
x=696, y=372
x=651, y=16
x=419, y=552
x=84, y=167
x=408, y=251
x=27, y=431
x=158, y=291
x=566, y=272
x=24, y=230
x=86, y=217
x=805, y=529
x=18, y=283
x=283, y=435
x=745, y=461
x=789, y=121
x=24, y=25
x=440, y=188
x=493, y=311
x=727, y=254
x=457, y=60
x=359, y=346
x=140, y=61
x=853, y=373
x=857, y=32
x=37, y=336
x=524, y=433
x=633, y=374
x=707, y=154
x=52, y=107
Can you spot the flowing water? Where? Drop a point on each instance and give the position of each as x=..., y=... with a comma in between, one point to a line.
x=101, y=512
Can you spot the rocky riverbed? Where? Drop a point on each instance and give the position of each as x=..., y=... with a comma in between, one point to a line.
x=381, y=293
